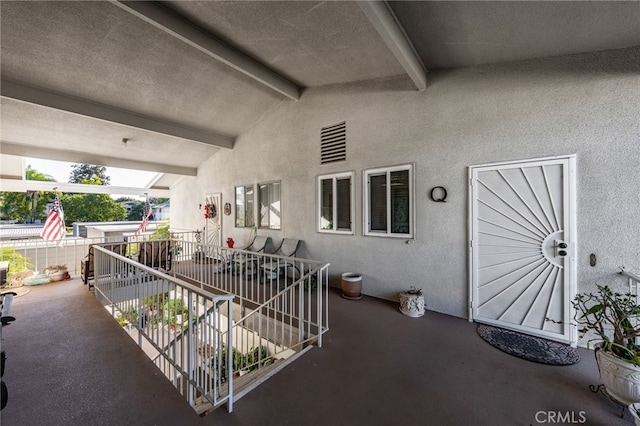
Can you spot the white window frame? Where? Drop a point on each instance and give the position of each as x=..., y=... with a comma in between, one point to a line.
x=244, y=201
x=366, y=174
x=271, y=225
x=334, y=177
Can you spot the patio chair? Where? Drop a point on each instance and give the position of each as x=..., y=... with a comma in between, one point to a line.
x=155, y=254
x=248, y=262
x=86, y=264
x=277, y=267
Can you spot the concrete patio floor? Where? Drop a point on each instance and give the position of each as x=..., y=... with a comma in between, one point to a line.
x=70, y=363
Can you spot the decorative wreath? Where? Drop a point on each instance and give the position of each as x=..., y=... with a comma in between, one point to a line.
x=210, y=211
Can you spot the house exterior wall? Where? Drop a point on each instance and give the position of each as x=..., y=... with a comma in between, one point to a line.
x=588, y=105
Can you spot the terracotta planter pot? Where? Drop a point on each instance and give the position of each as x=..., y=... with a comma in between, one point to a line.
x=351, y=286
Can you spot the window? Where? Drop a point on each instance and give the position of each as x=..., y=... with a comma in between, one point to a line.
x=244, y=207
x=388, y=201
x=269, y=201
x=335, y=203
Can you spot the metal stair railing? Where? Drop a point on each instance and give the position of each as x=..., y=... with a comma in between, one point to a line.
x=177, y=324
x=203, y=336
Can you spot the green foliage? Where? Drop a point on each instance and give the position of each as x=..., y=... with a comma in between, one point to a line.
x=91, y=208
x=155, y=301
x=172, y=308
x=415, y=291
x=14, y=206
x=136, y=212
x=611, y=316
x=152, y=307
x=254, y=359
x=130, y=316
x=26, y=207
x=17, y=262
x=162, y=232
x=89, y=174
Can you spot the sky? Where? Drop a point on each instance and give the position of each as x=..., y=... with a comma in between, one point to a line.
x=61, y=171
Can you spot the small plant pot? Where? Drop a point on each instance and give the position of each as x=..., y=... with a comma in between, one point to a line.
x=55, y=274
x=352, y=286
x=412, y=305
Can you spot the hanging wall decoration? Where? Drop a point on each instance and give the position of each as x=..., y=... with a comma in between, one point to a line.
x=210, y=211
x=227, y=209
x=439, y=194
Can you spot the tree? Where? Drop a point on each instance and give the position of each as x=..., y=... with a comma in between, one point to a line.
x=88, y=173
x=26, y=207
x=91, y=208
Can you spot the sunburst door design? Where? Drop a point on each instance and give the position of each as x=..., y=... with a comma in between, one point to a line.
x=523, y=245
x=213, y=223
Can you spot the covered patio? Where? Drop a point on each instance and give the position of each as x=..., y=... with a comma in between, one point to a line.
x=69, y=362
x=334, y=123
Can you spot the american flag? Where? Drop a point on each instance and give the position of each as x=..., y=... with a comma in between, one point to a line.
x=54, y=225
x=145, y=221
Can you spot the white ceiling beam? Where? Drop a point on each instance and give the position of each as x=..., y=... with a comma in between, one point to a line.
x=185, y=31
x=25, y=93
x=17, y=185
x=9, y=148
x=385, y=22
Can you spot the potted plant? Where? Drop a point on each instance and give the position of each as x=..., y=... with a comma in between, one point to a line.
x=56, y=272
x=612, y=317
x=412, y=302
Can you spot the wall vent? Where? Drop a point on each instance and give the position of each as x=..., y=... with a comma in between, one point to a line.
x=333, y=143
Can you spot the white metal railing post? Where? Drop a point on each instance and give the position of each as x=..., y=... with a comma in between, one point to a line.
x=229, y=353
x=141, y=315
x=190, y=354
x=634, y=282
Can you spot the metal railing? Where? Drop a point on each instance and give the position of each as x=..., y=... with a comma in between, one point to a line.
x=183, y=328
x=634, y=279
x=207, y=314
x=204, y=314
x=37, y=254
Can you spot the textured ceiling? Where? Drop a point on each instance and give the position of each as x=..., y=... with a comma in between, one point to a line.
x=100, y=52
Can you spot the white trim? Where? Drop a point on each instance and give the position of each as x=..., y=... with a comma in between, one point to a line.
x=235, y=206
x=410, y=167
x=334, y=178
x=259, y=202
x=570, y=235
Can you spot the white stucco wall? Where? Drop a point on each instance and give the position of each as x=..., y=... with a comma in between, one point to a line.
x=588, y=105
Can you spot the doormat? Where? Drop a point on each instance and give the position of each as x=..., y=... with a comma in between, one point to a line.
x=531, y=348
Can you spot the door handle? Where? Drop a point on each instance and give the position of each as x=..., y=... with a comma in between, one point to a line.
x=560, y=248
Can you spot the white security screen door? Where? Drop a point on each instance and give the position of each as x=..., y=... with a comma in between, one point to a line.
x=213, y=224
x=523, y=245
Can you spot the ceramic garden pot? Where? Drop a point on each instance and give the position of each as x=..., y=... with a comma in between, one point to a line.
x=352, y=286
x=412, y=305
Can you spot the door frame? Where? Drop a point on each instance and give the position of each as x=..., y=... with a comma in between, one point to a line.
x=570, y=271
x=213, y=196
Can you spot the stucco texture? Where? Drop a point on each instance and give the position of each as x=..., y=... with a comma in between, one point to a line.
x=587, y=105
